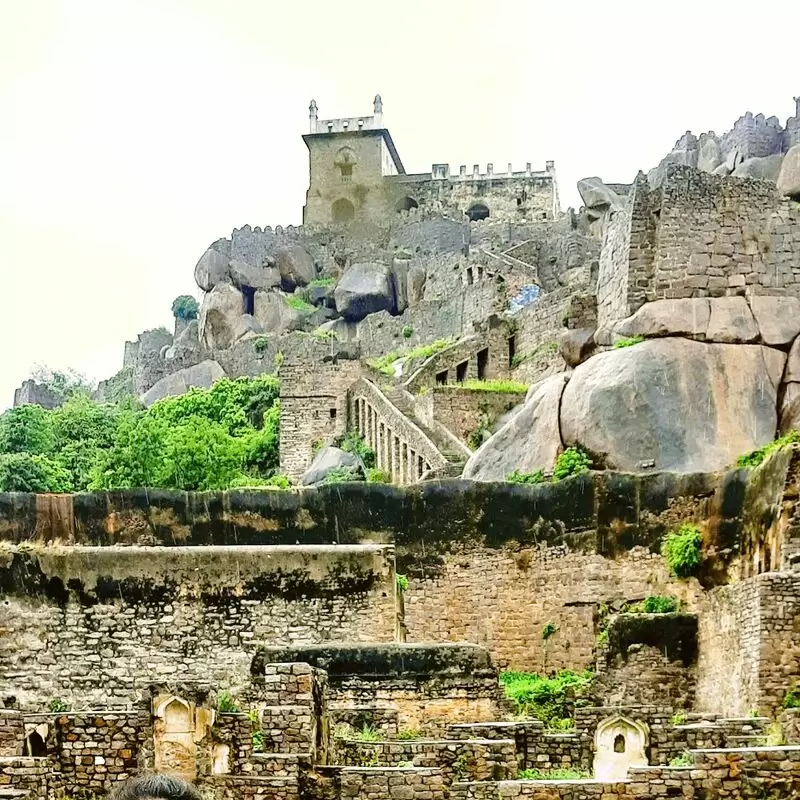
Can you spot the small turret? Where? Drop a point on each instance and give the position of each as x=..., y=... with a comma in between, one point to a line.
x=312, y=116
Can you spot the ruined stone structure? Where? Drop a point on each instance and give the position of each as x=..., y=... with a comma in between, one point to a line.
x=222, y=637
x=344, y=641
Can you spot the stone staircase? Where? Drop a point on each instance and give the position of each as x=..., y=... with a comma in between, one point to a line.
x=452, y=450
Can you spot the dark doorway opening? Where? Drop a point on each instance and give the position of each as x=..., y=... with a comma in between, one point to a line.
x=35, y=746
x=477, y=212
x=483, y=362
x=249, y=296
x=461, y=371
x=619, y=743
x=441, y=378
x=512, y=350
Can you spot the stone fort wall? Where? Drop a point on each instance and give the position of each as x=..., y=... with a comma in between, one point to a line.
x=698, y=235
x=96, y=625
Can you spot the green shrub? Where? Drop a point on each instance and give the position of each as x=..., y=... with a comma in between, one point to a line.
x=255, y=482
x=525, y=477
x=343, y=475
x=226, y=704
x=321, y=282
x=628, y=341
x=353, y=443
x=548, y=630
x=57, y=706
x=367, y=734
x=23, y=472
x=654, y=604
x=185, y=307
x=298, y=304
x=402, y=582
x=682, y=550
x=792, y=698
x=754, y=458
x=679, y=718
x=573, y=461
x=260, y=344
x=26, y=429
x=547, y=699
x=324, y=335
x=408, y=331
x=683, y=760
x=562, y=774
x=495, y=385
x=409, y=734
x=375, y=475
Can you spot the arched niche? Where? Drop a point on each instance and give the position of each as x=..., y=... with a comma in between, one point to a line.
x=343, y=210
x=477, y=211
x=174, y=738
x=619, y=743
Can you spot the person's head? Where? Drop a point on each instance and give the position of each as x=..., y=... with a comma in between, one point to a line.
x=155, y=787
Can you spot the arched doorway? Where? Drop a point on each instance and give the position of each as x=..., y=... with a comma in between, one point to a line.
x=477, y=211
x=406, y=204
x=343, y=210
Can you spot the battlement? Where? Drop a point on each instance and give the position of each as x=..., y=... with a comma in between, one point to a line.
x=442, y=172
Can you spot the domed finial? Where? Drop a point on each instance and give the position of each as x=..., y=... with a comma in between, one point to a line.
x=378, y=104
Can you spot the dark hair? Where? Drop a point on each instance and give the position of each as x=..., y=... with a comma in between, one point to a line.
x=155, y=787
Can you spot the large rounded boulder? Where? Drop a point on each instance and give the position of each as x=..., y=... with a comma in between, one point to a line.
x=672, y=404
x=219, y=316
x=364, y=289
x=212, y=268
x=296, y=266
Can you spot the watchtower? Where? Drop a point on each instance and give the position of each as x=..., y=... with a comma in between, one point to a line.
x=348, y=159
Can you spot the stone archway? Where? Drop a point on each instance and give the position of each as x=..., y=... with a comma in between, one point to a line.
x=343, y=210
x=619, y=743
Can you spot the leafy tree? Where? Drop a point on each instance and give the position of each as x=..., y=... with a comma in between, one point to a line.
x=185, y=307
x=26, y=429
x=82, y=429
x=62, y=383
x=24, y=472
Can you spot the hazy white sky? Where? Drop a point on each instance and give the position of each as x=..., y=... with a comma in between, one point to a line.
x=136, y=132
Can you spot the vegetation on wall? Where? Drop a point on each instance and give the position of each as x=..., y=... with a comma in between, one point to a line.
x=352, y=442
x=495, y=385
x=756, y=457
x=549, y=699
x=205, y=439
x=384, y=363
x=560, y=774
x=542, y=351
x=573, y=461
x=628, y=341
x=525, y=477
x=682, y=550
